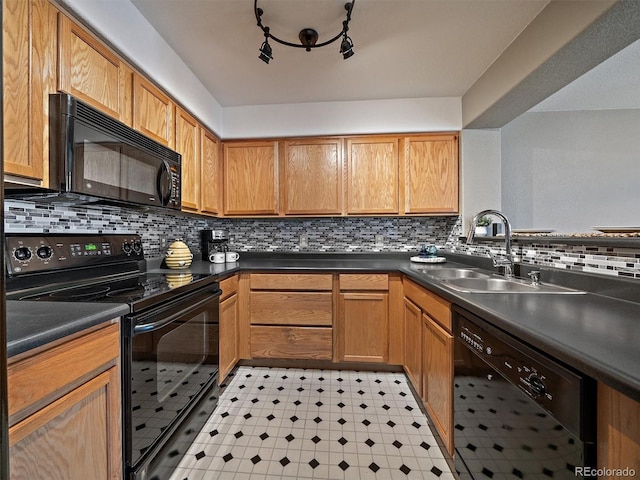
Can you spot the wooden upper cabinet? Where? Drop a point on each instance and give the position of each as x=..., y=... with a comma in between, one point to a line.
x=210, y=181
x=90, y=71
x=188, y=145
x=312, y=177
x=431, y=174
x=153, y=112
x=29, y=75
x=372, y=175
x=250, y=178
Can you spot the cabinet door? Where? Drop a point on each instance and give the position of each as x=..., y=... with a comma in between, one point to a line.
x=618, y=430
x=250, y=178
x=312, y=177
x=431, y=174
x=188, y=145
x=228, y=336
x=372, y=175
x=210, y=181
x=363, y=324
x=29, y=75
x=90, y=71
x=413, y=343
x=153, y=112
x=437, y=378
x=77, y=436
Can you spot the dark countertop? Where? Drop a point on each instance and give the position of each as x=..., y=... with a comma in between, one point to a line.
x=595, y=334
x=33, y=324
x=598, y=335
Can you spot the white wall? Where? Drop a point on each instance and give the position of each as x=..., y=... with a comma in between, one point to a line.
x=480, y=173
x=343, y=118
x=127, y=30
x=570, y=171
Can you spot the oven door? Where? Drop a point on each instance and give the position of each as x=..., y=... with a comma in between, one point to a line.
x=170, y=358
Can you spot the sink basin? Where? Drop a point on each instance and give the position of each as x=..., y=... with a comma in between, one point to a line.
x=504, y=285
x=450, y=273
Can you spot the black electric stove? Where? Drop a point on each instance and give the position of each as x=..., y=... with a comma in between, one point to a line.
x=90, y=268
x=169, y=339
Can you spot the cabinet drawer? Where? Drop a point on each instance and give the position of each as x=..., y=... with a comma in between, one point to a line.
x=291, y=308
x=430, y=303
x=229, y=286
x=295, y=281
x=357, y=281
x=311, y=343
x=36, y=381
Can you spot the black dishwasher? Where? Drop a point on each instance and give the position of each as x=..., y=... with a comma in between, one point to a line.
x=517, y=412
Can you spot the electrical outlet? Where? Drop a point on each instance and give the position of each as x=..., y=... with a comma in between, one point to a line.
x=304, y=241
x=379, y=239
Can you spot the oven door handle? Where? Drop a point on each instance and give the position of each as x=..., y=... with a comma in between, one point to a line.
x=150, y=327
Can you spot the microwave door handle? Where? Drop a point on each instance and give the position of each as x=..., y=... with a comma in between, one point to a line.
x=153, y=326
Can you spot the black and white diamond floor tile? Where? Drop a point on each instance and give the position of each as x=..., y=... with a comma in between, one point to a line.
x=277, y=423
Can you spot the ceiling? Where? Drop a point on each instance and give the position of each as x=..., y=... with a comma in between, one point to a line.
x=613, y=84
x=403, y=48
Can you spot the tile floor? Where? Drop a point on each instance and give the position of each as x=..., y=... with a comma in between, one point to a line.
x=278, y=423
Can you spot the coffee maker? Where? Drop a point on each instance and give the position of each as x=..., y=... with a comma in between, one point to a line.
x=213, y=241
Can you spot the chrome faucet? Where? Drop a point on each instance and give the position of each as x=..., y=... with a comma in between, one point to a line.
x=507, y=261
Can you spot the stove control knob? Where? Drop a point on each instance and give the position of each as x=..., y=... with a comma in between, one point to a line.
x=44, y=252
x=126, y=248
x=137, y=247
x=537, y=385
x=23, y=254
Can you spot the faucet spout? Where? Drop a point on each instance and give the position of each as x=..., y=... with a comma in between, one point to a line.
x=506, y=262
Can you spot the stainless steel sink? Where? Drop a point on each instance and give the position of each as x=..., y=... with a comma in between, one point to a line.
x=504, y=285
x=450, y=273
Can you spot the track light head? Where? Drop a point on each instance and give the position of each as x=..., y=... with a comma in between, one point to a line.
x=266, y=53
x=346, y=47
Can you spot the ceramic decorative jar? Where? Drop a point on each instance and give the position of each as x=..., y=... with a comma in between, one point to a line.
x=178, y=255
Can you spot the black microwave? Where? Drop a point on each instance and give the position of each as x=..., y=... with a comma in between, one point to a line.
x=93, y=155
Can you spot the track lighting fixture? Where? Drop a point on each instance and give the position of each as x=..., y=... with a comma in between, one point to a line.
x=308, y=36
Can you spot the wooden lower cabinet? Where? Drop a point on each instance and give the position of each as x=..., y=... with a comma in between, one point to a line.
x=292, y=308
x=618, y=431
x=229, y=338
x=437, y=378
x=229, y=326
x=291, y=316
x=363, y=324
x=413, y=343
x=429, y=355
x=70, y=438
x=65, y=410
x=305, y=343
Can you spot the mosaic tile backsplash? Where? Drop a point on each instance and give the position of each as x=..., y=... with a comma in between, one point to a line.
x=405, y=234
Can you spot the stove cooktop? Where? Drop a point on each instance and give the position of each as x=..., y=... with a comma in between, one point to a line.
x=138, y=290
x=90, y=268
